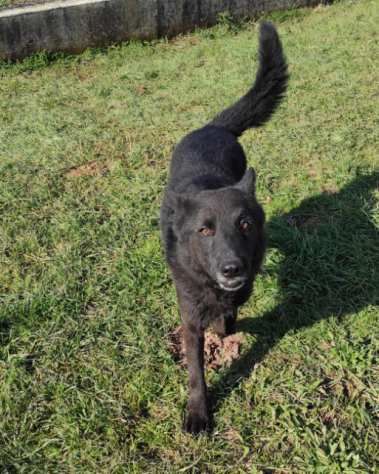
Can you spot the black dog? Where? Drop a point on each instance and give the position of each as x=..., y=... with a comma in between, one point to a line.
x=212, y=226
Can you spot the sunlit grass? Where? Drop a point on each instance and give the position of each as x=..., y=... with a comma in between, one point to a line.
x=87, y=382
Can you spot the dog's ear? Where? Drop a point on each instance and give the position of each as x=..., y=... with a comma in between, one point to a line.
x=247, y=183
x=182, y=206
x=178, y=201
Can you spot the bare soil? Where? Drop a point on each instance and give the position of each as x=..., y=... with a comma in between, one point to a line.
x=218, y=352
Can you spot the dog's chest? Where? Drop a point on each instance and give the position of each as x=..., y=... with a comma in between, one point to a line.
x=211, y=305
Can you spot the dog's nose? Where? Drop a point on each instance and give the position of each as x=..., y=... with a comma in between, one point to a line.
x=231, y=270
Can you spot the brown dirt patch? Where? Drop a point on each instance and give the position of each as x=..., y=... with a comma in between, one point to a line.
x=218, y=352
x=330, y=189
x=92, y=168
x=141, y=89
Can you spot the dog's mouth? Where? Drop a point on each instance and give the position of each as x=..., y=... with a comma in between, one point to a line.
x=231, y=284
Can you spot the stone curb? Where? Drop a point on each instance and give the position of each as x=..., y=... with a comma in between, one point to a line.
x=74, y=25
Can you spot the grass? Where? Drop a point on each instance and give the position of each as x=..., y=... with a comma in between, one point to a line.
x=13, y=3
x=87, y=382
x=19, y=3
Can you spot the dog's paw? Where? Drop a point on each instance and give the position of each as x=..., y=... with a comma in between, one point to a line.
x=196, y=423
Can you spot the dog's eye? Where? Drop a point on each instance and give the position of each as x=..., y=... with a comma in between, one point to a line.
x=244, y=225
x=206, y=231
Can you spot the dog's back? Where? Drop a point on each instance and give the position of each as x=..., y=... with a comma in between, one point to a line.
x=211, y=222
x=213, y=151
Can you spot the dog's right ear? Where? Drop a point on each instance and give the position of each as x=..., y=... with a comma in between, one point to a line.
x=181, y=206
x=180, y=203
x=172, y=199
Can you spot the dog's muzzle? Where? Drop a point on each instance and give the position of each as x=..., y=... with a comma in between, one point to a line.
x=230, y=284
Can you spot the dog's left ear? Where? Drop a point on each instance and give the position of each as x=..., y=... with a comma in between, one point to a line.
x=247, y=183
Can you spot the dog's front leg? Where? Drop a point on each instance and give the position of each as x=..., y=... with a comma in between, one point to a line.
x=226, y=324
x=197, y=416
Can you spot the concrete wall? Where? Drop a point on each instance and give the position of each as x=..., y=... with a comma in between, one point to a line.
x=74, y=25
x=176, y=16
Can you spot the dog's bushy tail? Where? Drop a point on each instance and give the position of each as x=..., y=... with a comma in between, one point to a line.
x=256, y=107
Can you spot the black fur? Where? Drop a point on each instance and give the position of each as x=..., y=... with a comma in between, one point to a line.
x=257, y=106
x=211, y=223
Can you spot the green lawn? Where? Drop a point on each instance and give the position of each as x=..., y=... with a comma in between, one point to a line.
x=87, y=381
x=19, y=3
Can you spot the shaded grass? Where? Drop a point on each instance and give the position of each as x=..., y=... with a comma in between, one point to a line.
x=87, y=383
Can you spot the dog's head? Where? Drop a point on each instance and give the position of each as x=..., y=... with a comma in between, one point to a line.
x=221, y=231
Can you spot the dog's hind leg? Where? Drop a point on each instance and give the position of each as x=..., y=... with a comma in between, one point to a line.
x=226, y=324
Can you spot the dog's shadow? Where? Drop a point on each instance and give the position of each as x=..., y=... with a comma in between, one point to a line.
x=330, y=266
